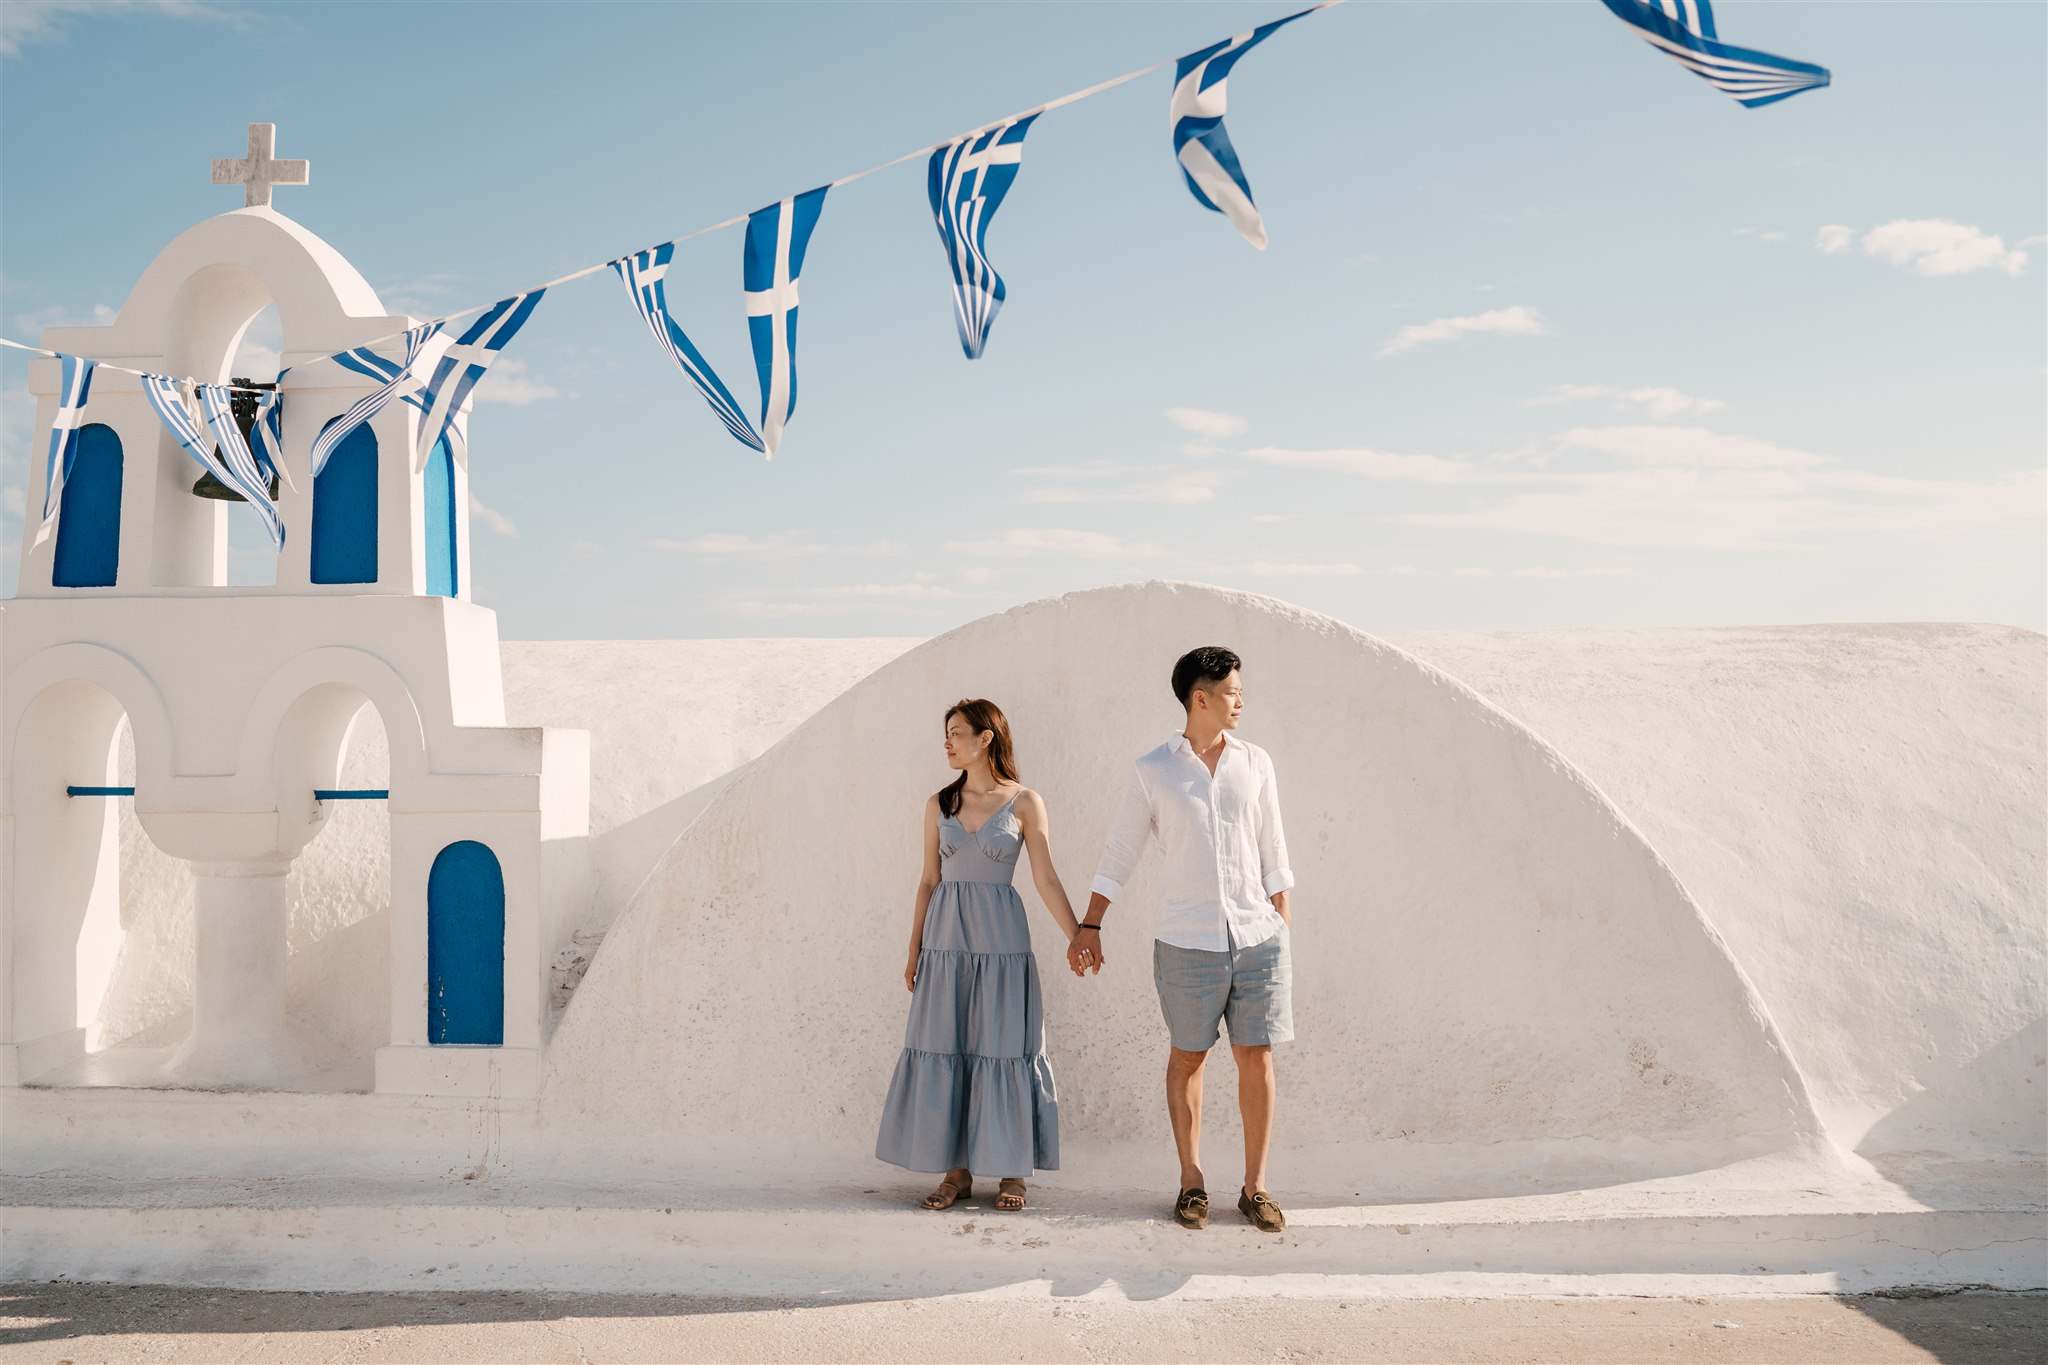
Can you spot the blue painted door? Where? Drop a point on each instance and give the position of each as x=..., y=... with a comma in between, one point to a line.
x=440, y=519
x=466, y=946
x=345, y=512
x=89, y=514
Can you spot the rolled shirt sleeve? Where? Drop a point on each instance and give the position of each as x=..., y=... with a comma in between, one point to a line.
x=1274, y=873
x=1127, y=835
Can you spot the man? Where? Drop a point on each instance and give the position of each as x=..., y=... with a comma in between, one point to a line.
x=1221, y=955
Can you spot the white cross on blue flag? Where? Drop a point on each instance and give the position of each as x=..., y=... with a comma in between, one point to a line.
x=465, y=363
x=394, y=376
x=776, y=239
x=966, y=181
x=173, y=407
x=1684, y=31
x=1208, y=162
x=234, y=455
x=645, y=274
x=74, y=385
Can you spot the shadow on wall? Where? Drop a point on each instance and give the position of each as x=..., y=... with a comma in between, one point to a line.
x=1487, y=953
x=1917, y=1145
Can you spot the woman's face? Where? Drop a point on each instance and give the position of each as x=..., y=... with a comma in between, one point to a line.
x=963, y=745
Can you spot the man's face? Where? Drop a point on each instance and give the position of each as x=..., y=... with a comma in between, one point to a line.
x=1223, y=701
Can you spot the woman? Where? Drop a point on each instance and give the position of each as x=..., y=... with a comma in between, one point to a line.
x=973, y=1090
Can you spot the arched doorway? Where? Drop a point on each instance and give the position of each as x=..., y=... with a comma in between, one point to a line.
x=89, y=516
x=345, y=511
x=466, y=946
x=66, y=902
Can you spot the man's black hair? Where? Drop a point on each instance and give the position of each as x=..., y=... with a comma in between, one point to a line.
x=1209, y=664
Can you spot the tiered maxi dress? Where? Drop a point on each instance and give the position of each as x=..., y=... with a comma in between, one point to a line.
x=973, y=1087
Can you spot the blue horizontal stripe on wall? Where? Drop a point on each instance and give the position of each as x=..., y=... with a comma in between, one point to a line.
x=352, y=794
x=99, y=791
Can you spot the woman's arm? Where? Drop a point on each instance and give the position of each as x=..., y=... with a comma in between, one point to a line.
x=1044, y=876
x=926, y=881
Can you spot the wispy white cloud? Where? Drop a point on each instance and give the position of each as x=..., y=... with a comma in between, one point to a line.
x=1048, y=542
x=920, y=592
x=1683, y=487
x=1657, y=401
x=421, y=296
x=1106, y=482
x=1380, y=464
x=1267, y=568
x=1761, y=234
x=727, y=545
x=1519, y=320
x=26, y=22
x=1835, y=238
x=494, y=519
x=27, y=325
x=779, y=545
x=1929, y=246
x=510, y=383
x=1679, y=487
x=1210, y=426
x=1935, y=246
x=1687, y=447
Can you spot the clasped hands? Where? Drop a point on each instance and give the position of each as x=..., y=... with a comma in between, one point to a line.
x=1084, y=951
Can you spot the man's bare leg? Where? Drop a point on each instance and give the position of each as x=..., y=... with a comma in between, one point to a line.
x=1255, y=1089
x=1184, y=1108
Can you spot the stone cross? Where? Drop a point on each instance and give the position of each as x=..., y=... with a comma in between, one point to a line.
x=258, y=172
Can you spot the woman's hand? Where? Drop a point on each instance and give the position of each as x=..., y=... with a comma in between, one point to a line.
x=910, y=972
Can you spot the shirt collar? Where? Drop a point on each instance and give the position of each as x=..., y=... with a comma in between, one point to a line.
x=1183, y=745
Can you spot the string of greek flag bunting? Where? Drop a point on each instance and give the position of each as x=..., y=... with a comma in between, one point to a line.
x=967, y=178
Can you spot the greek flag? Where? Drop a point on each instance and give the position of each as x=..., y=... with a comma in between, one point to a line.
x=466, y=362
x=966, y=181
x=269, y=431
x=234, y=455
x=174, y=409
x=392, y=376
x=645, y=274
x=776, y=239
x=1207, y=160
x=1684, y=29
x=74, y=385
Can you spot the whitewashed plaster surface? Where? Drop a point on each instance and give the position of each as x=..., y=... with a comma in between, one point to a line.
x=1859, y=809
x=1487, y=952
x=1855, y=810
x=666, y=720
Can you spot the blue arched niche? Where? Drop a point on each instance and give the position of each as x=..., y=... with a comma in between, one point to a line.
x=89, y=513
x=440, y=519
x=466, y=946
x=345, y=511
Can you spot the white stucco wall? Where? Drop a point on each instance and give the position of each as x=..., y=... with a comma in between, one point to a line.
x=1487, y=952
x=666, y=720
x=1859, y=809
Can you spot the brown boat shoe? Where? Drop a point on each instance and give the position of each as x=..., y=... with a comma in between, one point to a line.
x=1263, y=1213
x=1191, y=1210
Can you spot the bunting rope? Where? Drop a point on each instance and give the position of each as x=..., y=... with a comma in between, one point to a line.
x=1073, y=97
x=968, y=176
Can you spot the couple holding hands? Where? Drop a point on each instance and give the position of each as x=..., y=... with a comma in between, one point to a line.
x=973, y=1091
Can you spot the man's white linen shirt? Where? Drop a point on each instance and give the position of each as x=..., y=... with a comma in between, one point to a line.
x=1226, y=857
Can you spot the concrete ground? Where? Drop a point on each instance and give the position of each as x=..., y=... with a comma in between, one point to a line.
x=85, y=1323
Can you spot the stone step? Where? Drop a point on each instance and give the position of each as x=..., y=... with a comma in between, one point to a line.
x=842, y=1241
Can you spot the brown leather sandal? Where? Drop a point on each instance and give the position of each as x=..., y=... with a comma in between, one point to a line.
x=1009, y=1199
x=948, y=1193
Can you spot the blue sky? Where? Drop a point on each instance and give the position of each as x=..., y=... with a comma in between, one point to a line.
x=1549, y=334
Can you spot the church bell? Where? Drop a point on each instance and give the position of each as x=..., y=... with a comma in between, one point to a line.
x=242, y=404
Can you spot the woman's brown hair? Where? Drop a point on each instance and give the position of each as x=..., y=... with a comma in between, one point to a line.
x=980, y=714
